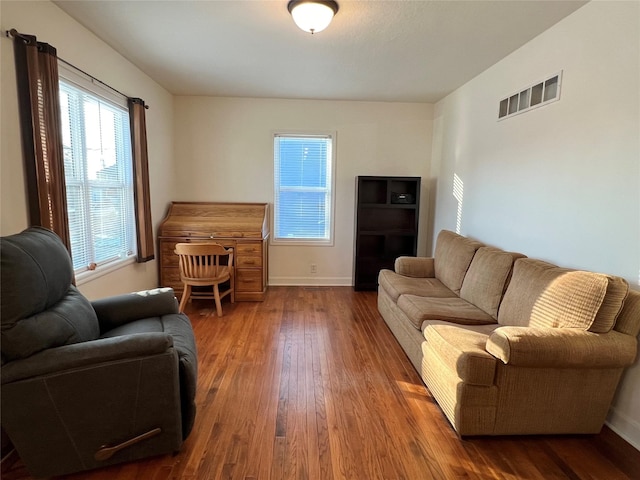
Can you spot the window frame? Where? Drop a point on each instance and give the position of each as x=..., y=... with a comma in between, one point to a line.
x=331, y=164
x=77, y=79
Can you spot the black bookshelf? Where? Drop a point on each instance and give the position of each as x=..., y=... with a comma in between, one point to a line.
x=386, y=225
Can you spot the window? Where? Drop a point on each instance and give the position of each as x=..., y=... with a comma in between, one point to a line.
x=98, y=173
x=303, y=188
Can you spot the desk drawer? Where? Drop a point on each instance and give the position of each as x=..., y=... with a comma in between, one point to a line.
x=248, y=280
x=243, y=261
x=249, y=254
x=249, y=249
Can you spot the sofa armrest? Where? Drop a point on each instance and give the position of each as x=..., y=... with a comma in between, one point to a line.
x=419, y=267
x=561, y=348
x=120, y=309
x=87, y=354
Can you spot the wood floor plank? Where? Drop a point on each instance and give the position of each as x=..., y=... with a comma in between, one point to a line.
x=310, y=384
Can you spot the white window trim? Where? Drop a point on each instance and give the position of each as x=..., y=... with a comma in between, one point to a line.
x=90, y=275
x=82, y=80
x=332, y=197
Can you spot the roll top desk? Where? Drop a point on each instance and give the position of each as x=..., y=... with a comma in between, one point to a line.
x=242, y=226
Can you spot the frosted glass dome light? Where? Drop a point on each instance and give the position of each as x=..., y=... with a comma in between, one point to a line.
x=312, y=16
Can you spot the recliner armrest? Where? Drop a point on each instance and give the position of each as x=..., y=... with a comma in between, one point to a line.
x=86, y=354
x=419, y=267
x=121, y=309
x=561, y=348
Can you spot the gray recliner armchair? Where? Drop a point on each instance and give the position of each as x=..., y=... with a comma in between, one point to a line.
x=88, y=384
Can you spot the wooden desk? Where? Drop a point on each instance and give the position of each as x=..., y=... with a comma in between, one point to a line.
x=243, y=226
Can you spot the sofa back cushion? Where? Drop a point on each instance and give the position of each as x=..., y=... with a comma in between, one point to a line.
x=614, y=299
x=40, y=307
x=487, y=278
x=543, y=295
x=628, y=321
x=453, y=255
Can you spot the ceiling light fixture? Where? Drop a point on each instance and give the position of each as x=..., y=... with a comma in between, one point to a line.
x=312, y=16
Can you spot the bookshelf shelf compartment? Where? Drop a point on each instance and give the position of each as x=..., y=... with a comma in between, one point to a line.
x=386, y=225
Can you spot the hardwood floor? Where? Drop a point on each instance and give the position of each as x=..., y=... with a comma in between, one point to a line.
x=310, y=384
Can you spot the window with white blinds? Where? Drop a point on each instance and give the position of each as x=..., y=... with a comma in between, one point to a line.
x=98, y=174
x=303, y=174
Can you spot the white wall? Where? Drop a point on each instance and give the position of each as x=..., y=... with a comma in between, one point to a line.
x=224, y=152
x=78, y=46
x=562, y=182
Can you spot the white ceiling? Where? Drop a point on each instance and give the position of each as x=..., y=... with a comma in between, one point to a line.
x=399, y=51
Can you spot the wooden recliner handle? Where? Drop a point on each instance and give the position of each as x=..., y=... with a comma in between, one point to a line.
x=105, y=452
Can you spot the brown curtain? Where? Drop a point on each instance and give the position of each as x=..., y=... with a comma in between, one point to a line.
x=142, y=197
x=38, y=97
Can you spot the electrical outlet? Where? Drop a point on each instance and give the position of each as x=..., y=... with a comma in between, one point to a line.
x=314, y=268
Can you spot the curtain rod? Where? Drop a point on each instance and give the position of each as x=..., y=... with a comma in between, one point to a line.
x=94, y=79
x=29, y=38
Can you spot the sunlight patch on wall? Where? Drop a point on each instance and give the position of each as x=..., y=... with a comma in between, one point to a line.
x=458, y=194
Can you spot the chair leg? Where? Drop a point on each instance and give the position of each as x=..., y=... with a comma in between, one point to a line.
x=186, y=293
x=216, y=294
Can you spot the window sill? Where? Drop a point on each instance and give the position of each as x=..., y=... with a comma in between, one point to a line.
x=302, y=242
x=91, y=275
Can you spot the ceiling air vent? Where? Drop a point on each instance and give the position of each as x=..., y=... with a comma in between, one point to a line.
x=532, y=97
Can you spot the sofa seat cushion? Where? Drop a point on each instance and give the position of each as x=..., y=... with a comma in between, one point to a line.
x=462, y=350
x=455, y=310
x=543, y=295
x=396, y=285
x=487, y=278
x=453, y=255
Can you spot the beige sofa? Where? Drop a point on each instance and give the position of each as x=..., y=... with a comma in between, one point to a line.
x=511, y=345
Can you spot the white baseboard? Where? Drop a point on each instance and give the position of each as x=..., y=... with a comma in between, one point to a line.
x=625, y=427
x=311, y=281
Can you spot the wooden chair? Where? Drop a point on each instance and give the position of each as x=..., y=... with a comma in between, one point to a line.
x=201, y=265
